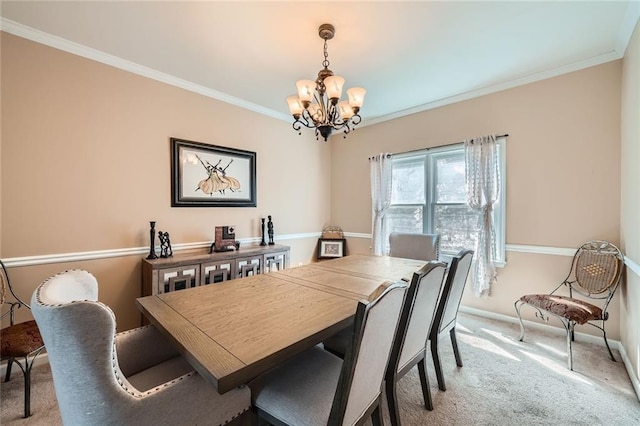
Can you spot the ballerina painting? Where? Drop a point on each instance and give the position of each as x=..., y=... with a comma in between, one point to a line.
x=209, y=175
x=217, y=180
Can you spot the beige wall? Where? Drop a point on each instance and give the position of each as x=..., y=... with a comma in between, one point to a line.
x=85, y=166
x=630, y=199
x=563, y=180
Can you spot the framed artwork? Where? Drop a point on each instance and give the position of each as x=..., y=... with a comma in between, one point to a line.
x=330, y=248
x=205, y=175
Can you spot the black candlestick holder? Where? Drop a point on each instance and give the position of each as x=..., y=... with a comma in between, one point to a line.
x=263, y=242
x=152, y=243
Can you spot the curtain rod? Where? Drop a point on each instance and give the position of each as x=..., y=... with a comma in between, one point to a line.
x=434, y=147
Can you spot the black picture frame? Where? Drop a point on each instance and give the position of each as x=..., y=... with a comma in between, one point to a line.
x=204, y=175
x=331, y=248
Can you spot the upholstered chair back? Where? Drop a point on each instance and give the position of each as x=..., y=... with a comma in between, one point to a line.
x=134, y=377
x=414, y=246
x=454, y=294
x=79, y=334
x=366, y=360
x=421, y=314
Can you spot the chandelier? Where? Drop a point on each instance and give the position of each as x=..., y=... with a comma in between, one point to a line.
x=317, y=104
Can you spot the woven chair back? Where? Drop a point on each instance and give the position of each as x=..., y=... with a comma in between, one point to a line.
x=597, y=267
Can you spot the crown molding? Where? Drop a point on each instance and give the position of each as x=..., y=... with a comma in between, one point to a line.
x=15, y=28
x=631, y=18
x=531, y=78
x=60, y=43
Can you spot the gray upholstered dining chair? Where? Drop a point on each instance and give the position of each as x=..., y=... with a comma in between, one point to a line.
x=20, y=343
x=410, y=343
x=134, y=377
x=414, y=246
x=318, y=388
x=409, y=246
x=447, y=311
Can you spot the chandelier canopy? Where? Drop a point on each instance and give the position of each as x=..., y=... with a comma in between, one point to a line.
x=317, y=104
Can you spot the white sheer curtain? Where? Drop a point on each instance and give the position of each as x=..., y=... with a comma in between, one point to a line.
x=380, y=171
x=483, y=191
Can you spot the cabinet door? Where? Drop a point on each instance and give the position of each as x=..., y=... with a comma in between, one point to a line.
x=217, y=272
x=274, y=262
x=247, y=266
x=178, y=278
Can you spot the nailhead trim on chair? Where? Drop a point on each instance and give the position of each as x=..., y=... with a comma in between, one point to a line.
x=237, y=415
x=114, y=362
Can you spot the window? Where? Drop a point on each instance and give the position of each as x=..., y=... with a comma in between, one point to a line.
x=429, y=196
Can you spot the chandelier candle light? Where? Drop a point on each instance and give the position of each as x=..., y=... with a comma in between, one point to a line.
x=317, y=104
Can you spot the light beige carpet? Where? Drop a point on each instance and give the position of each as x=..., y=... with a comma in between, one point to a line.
x=503, y=382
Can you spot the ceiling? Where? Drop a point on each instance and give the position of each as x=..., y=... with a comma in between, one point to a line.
x=410, y=56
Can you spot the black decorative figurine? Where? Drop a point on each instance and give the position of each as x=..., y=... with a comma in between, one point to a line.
x=152, y=243
x=263, y=242
x=270, y=230
x=165, y=245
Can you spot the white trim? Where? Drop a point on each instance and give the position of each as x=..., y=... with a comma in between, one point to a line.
x=632, y=265
x=532, y=78
x=629, y=366
x=556, y=251
x=133, y=251
x=43, y=358
x=589, y=338
x=60, y=43
x=629, y=22
x=357, y=235
x=136, y=251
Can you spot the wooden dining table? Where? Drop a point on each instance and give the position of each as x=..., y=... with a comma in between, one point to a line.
x=233, y=331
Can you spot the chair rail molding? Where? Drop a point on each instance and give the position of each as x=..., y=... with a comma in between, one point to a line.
x=136, y=251
x=632, y=265
x=133, y=251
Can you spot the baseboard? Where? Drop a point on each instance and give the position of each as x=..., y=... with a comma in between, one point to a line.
x=590, y=338
x=43, y=358
x=616, y=344
x=629, y=366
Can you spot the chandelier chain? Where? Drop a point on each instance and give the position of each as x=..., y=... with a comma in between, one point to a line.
x=325, y=63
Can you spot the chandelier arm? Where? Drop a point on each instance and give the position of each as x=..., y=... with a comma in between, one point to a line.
x=302, y=121
x=297, y=126
x=346, y=130
x=339, y=123
x=323, y=107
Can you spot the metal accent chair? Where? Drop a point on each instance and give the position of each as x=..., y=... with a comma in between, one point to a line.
x=595, y=274
x=134, y=377
x=414, y=246
x=316, y=387
x=18, y=341
x=447, y=312
x=410, y=342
